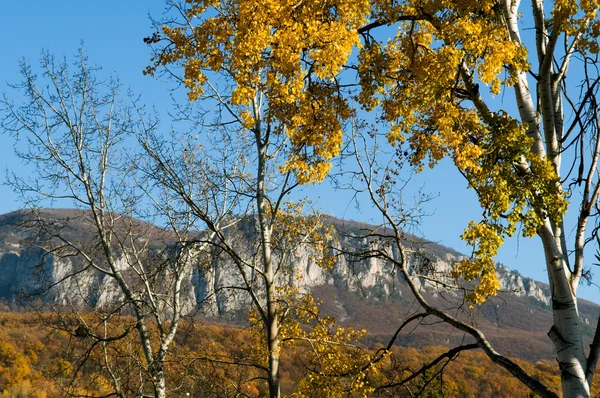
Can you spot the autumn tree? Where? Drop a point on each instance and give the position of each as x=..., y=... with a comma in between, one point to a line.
x=74, y=129
x=381, y=176
x=245, y=61
x=263, y=236
x=434, y=82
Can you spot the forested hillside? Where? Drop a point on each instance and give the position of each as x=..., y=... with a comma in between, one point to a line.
x=358, y=292
x=33, y=357
x=216, y=352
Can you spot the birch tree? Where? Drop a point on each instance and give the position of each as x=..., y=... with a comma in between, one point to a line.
x=226, y=57
x=436, y=82
x=73, y=129
x=264, y=234
x=432, y=71
x=382, y=178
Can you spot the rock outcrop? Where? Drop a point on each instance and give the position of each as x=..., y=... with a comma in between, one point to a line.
x=26, y=268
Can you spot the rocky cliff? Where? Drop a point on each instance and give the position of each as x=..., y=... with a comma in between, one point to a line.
x=25, y=267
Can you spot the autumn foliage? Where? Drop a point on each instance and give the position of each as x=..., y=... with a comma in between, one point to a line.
x=284, y=56
x=37, y=361
x=291, y=78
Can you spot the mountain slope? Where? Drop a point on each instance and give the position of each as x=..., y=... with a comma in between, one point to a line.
x=364, y=293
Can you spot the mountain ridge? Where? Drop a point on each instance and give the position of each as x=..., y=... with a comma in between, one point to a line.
x=364, y=293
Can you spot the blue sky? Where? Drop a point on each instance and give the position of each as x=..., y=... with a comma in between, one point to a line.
x=112, y=33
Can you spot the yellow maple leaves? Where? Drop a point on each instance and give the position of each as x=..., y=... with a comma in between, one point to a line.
x=288, y=52
x=426, y=79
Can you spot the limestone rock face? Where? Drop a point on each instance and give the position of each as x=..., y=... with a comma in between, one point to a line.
x=26, y=270
x=520, y=286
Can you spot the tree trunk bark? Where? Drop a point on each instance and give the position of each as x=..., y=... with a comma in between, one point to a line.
x=565, y=332
x=273, y=339
x=566, y=336
x=264, y=220
x=160, y=389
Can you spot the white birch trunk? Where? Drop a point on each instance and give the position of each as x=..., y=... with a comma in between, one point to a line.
x=265, y=223
x=565, y=332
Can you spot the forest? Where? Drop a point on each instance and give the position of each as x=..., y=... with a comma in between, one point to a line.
x=34, y=361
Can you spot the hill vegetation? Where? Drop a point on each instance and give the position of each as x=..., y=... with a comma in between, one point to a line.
x=38, y=361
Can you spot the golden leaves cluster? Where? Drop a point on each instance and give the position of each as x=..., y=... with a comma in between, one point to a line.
x=336, y=364
x=426, y=80
x=486, y=240
x=579, y=20
x=416, y=76
x=286, y=53
x=513, y=186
